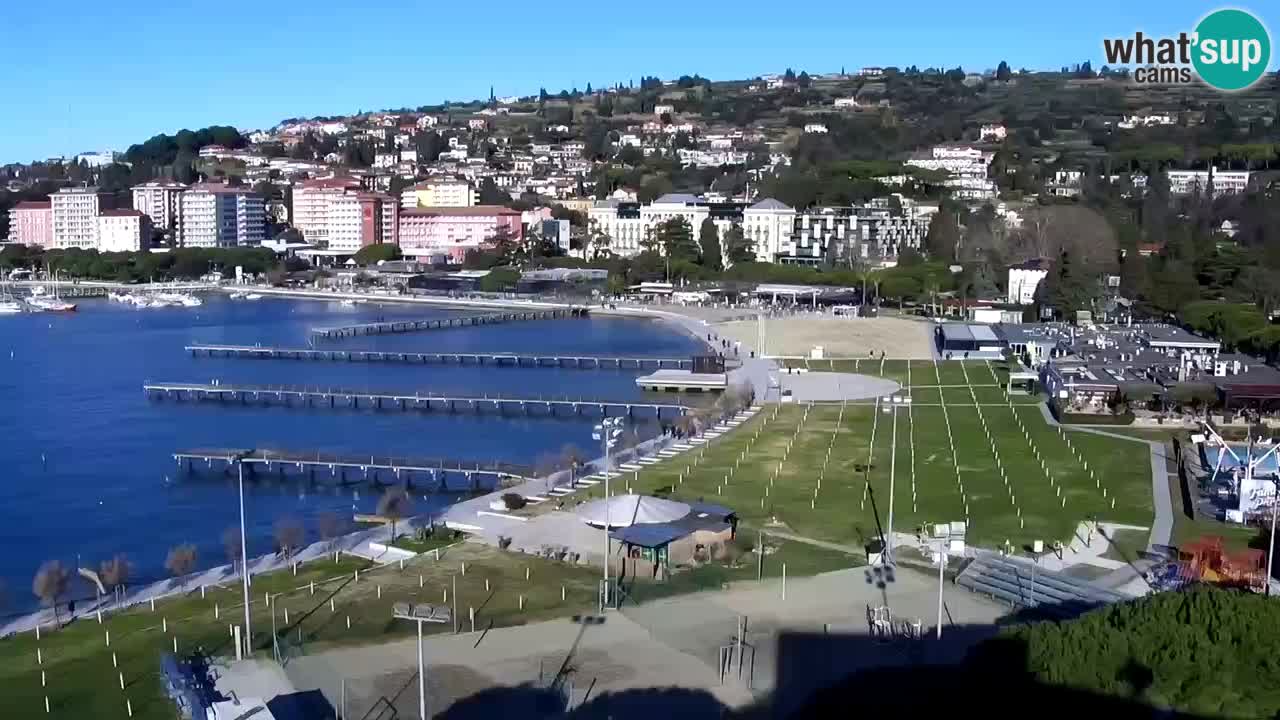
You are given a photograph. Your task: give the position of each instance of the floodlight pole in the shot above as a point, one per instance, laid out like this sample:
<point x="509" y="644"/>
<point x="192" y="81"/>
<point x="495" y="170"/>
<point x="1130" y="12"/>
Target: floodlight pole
<point x="888" y="548"/>
<point x="244" y="565"/>
<point x="1271" y="549"/>
<point x="942" y="564"/>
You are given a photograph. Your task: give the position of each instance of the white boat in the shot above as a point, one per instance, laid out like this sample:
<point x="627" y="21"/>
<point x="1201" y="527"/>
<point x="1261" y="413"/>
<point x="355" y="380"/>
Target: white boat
<point x="10" y="307"/>
<point x="253" y="296"/>
<point x="239" y="295"/>
<point x="50" y="304"/>
<point x="347" y="303"/>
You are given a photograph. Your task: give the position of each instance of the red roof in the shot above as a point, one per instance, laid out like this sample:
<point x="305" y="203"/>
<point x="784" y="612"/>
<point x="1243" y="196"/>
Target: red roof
<point x="34" y="205"/>
<point x="333" y="182"/>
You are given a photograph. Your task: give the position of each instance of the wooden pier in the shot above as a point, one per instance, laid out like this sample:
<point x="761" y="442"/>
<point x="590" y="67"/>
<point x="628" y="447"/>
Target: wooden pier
<point x="335" y="398"/>
<point x="439" y="474"/>
<point x="585" y="362"/>
<point x="443" y="323"/>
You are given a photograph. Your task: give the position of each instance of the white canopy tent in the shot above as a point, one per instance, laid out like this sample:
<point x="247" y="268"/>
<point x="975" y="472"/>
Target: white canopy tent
<point x="628" y="510"/>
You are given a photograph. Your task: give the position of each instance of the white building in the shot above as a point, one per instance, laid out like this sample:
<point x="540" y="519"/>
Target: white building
<point x="815" y="128"/>
<point x="97" y="159"/>
<point x="75" y="217"/>
<point x="123" y="231"/>
<point x="661" y="110"/>
<point x="993" y="133"/>
<point x="768" y="225"/>
<point x="967" y="167"/>
<point x="160" y="201"/>
<point x="1136" y="121"/>
<point x="1225" y="182"/>
<point x="846" y="102"/>
<point x="1024" y="279"/>
<point x="218" y="215"/>
<point x="426" y="121"/>
<point x="357" y="219"/>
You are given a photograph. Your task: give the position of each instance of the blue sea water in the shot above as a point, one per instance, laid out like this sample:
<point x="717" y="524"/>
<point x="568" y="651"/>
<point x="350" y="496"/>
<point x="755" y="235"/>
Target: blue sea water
<point x="87" y="458"/>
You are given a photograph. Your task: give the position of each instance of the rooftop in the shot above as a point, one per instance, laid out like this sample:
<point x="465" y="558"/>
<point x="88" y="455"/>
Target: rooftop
<point x="122" y="213"/>
<point x="34" y="205"/>
<point x="472" y="211"/>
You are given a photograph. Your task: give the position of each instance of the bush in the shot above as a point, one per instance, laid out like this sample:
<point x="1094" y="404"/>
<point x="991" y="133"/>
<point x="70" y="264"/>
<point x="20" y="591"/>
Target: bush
<point x="514" y="501"/>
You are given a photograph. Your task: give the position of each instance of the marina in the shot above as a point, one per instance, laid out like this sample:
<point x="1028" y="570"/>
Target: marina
<point x="586" y="362"/>
<point x="345" y="469"/>
<point x="335" y="398"/>
<point x="443" y="323"/>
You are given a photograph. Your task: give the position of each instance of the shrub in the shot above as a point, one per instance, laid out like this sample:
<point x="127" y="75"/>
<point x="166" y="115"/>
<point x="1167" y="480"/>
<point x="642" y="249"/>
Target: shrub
<point x="514" y="501"/>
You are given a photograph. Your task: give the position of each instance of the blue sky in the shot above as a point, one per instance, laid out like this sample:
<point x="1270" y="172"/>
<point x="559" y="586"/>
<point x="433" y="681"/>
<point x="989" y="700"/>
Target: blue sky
<point x="94" y="75"/>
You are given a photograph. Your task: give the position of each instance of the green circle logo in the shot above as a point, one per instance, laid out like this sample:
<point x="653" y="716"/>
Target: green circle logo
<point x="1232" y="49"/>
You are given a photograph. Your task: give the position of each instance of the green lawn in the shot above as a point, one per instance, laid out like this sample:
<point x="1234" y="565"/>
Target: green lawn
<point x="776" y="487"/>
<point x="81" y="681"/>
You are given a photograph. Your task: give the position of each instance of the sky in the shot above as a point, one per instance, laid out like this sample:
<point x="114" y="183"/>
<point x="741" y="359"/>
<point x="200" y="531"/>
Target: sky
<point x="103" y="75"/>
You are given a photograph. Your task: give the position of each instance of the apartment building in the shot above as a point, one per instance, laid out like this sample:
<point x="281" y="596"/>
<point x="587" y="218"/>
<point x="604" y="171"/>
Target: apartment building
<point x="123" y="230"/>
<point x="452" y="231"/>
<point x="768" y="224"/>
<point x="357" y="219"/>
<point x="312" y="202"/>
<point x="31" y="223"/>
<point x="75" y="216"/>
<point x="160" y="201"/>
<point x="218" y="215"/>
<point x="1224" y="182"/>
<point x="439" y="193"/>
<point x="967" y="167"/>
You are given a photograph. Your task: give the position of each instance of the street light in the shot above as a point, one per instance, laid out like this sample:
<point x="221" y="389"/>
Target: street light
<point x="244" y="564"/>
<point x="607" y="432"/>
<point x="419" y="614"/>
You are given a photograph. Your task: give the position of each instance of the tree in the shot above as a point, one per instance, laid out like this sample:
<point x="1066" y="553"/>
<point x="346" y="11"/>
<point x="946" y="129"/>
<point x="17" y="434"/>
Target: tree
<point x="1002" y="72"/>
<point x="490" y="194"/>
<point x="373" y="254"/>
<point x="500" y="280"/>
<point x="737" y="246"/>
<point x="598" y="245"/>
<point x="231" y="545"/>
<point x="289" y="536"/>
<point x="675" y="238"/>
<point x="709" y="242"/>
<point x="943" y="237"/>
<point x="50" y="584"/>
<point x="114" y="574"/>
<point x="394" y="505"/>
<point x="181" y="560"/>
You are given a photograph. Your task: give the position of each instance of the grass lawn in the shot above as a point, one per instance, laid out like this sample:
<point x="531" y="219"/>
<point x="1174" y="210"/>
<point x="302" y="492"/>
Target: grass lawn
<point x="825" y="472"/>
<point x="1126" y="544"/>
<point x="83" y="683"/>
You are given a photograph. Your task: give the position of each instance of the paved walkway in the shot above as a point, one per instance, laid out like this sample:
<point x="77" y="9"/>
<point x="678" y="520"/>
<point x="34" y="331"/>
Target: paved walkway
<point x="1162" y="527"/>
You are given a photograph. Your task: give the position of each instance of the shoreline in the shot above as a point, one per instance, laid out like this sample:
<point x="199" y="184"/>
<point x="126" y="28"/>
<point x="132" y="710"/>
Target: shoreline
<point x="357" y="541"/>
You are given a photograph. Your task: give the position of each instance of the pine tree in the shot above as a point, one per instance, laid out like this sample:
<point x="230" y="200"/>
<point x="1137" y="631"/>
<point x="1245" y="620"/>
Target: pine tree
<point x="709" y="240"/>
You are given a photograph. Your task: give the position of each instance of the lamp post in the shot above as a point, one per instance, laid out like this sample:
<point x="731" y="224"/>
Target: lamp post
<point x="942" y="565"/>
<point x="420" y="614"/>
<point x="607" y="432"/>
<point x="244" y="563"/>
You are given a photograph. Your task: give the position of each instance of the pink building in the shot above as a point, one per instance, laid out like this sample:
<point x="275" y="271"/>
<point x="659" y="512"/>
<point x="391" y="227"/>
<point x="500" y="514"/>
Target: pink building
<point x="452" y="231"/>
<point x="31" y="223"/>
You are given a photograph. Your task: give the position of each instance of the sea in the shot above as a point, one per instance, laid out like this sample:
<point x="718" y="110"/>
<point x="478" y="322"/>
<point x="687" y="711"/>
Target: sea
<point x="87" y="459"/>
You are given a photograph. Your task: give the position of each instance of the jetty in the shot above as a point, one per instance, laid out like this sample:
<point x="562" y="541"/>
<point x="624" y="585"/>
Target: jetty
<point x="443" y="323"/>
<point x="584" y="362"/>
<point x="335" y="398"/>
<point x="439" y="474"/>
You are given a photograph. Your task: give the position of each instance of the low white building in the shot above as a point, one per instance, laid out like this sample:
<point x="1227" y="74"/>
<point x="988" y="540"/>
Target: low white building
<point x="1225" y="182"/>
<point x="815" y="128"/>
<point x="846" y="102"/>
<point x="1024" y="279"/>
<point x="97" y="159"/>
<point x="661" y="110"/>
<point x="1136" y="121"/>
<point x="992" y="133"/>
